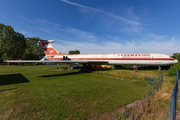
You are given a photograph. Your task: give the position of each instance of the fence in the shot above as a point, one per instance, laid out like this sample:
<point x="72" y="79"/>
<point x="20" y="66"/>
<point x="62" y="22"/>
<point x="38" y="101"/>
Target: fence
<point x="137" y="109"/>
<point x="152" y="80"/>
<point x="171" y="110"/>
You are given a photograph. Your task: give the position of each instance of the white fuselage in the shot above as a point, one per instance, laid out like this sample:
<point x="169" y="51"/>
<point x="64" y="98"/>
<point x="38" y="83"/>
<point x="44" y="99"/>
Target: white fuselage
<point x="121" y="59"/>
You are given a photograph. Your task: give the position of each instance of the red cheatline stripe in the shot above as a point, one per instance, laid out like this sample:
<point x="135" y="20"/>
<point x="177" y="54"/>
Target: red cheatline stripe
<point x="121" y="59"/>
<point x="114" y="58"/>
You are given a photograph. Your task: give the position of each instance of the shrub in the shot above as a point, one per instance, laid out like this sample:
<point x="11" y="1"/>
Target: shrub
<point x="173" y="68"/>
<point x="128" y="67"/>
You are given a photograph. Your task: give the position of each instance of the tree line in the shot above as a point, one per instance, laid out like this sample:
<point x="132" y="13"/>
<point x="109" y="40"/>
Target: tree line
<point x="176" y="56"/>
<point x="74" y="52"/>
<point x="14" y="46"/>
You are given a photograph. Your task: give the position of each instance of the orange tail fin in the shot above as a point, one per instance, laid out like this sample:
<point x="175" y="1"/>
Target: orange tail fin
<point x="49" y="50"/>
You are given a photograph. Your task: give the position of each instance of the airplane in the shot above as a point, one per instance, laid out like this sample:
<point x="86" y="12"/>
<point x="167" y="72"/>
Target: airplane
<point x="53" y="56"/>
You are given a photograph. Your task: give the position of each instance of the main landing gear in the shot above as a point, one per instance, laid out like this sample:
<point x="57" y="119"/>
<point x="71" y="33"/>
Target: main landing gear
<point x="57" y="65"/>
<point x="86" y="67"/>
<point x="135" y="68"/>
<point x="159" y="68"/>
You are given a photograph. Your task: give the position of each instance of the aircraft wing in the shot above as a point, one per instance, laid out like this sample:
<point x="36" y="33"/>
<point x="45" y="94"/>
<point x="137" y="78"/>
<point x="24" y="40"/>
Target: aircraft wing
<point x="57" y="61"/>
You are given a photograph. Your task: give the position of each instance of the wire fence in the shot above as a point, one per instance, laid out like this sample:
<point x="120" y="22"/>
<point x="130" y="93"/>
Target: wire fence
<point x="137" y="109"/>
<point x="152" y="80"/>
<point x="171" y="110"/>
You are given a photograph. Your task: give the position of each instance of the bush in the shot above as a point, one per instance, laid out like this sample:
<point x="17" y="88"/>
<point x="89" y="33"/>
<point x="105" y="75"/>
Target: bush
<point x="128" y="67"/>
<point x="173" y="69"/>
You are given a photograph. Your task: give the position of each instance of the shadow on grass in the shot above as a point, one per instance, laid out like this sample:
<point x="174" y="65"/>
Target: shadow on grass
<point x="12" y="79"/>
<point x="65" y="74"/>
<point x="72" y="73"/>
<point x="8" y="89"/>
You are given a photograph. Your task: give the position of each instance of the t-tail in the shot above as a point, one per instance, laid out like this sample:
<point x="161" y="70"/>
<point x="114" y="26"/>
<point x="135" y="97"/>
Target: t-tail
<point x="47" y="47"/>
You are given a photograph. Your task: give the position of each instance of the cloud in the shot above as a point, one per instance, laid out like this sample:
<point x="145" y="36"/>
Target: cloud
<point x="133" y="28"/>
<point x="155" y="36"/>
<point x="24" y="18"/>
<point x="165" y="47"/>
<point x="87" y="42"/>
<point x="129" y="13"/>
<point x="46" y="30"/>
<point x="47" y="22"/>
<point x="47" y="26"/>
<point x="101" y="11"/>
<point x="151" y="43"/>
<point x="25" y="33"/>
<point x="81" y="34"/>
<point x="109" y="23"/>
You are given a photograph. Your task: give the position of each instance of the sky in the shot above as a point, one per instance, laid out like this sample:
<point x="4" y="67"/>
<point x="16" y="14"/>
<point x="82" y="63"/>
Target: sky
<point x="98" y="26"/>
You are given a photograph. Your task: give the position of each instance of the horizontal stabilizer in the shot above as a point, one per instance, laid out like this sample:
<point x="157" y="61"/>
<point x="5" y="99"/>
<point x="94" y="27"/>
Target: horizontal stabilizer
<point x="43" y="41"/>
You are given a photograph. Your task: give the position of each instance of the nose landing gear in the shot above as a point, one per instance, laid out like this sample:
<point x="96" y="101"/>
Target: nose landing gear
<point x="135" y="68"/>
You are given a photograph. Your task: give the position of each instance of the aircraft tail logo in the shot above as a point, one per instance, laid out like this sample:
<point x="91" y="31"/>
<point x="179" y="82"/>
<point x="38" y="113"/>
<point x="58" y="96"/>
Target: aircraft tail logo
<point x="49" y="49"/>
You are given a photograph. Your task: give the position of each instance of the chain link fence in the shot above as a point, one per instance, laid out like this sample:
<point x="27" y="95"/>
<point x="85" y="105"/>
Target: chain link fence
<point x="137" y="109"/>
<point x="171" y="110"/>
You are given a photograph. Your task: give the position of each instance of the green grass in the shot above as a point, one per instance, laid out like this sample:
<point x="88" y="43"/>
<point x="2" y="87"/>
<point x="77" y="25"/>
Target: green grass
<point x="42" y="92"/>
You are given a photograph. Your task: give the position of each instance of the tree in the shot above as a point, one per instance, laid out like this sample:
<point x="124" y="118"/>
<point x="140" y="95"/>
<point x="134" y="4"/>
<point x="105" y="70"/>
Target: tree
<point x="2" y="26"/>
<point x="33" y="50"/>
<point x="12" y="44"/>
<point x="176" y="56"/>
<point x="74" y="52"/>
<point x="173" y="68"/>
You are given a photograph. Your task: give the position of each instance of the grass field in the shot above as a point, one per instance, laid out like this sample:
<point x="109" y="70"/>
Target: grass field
<point x="43" y="92"/>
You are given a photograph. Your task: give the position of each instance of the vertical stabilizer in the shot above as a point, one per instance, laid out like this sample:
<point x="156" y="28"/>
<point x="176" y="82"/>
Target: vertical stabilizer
<point x="49" y="49"/>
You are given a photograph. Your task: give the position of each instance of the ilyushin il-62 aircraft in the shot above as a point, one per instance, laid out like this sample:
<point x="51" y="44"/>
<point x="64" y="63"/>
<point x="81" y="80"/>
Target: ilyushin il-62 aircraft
<point x="53" y="56"/>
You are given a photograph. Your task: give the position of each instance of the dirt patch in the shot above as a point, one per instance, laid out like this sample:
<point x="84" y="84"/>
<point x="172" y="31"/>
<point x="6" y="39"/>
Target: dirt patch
<point x="6" y="115"/>
<point x="165" y="95"/>
<point x="68" y="118"/>
<point x="110" y="76"/>
<point x="57" y="70"/>
<point x="111" y="115"/>
<point x="104" y="116"/>
<point x="130" y="104"/>
<point x="8" y="73"/>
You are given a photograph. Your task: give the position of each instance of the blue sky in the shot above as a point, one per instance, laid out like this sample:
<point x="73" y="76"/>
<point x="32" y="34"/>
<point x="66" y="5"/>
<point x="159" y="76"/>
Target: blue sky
<point x="98" y="26"/>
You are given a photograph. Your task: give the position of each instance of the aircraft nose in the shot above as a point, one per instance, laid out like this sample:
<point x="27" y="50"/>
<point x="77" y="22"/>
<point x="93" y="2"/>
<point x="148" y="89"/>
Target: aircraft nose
<point x="176" y="61"/>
